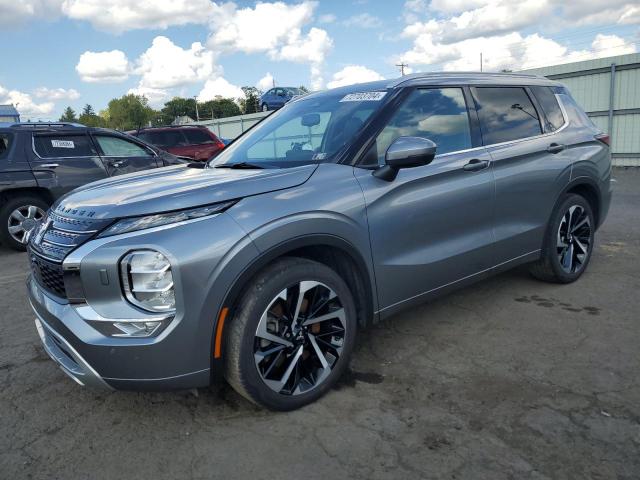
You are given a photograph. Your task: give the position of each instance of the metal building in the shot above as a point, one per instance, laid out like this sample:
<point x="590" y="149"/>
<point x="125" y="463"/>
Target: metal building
<point x="609" y="91"/>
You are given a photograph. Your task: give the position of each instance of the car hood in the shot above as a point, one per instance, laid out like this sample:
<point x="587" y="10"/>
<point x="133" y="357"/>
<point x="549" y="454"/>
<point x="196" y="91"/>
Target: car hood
<point x="174" y="188"/>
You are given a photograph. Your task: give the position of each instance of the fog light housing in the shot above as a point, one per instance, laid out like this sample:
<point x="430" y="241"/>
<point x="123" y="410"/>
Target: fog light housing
<point x="136" y="329"/>
<point x="147" y="281"/>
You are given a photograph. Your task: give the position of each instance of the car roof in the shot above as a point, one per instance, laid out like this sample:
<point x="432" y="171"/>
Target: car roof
<point x="441" y="78"/>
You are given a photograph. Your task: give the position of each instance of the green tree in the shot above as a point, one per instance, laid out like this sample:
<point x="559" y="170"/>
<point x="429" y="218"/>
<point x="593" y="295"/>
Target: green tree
<point x="69" y="115"/>
<point x="251" y="100"/>
<point x="129" y="112"/>
<point x="89" y="118"/>
<point x="219" y="108"/>
<point x="303" y="89"/>
<point x="177" y="107"/>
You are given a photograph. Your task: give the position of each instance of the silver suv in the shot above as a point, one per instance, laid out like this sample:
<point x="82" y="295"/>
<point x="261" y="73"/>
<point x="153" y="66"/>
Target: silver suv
<point x="338" y="210"/>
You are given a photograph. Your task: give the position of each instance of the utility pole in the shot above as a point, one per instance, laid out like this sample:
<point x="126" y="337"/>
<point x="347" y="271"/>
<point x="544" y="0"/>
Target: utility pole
<point x="402" y="66"/>
<point x="480" y="61"/>
<point x="195" y="98"/>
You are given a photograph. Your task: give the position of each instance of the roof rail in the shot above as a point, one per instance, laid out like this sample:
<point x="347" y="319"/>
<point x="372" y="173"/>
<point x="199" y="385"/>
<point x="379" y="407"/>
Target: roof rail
<point x="47" y="124"/>
<point x="420" y="75"/>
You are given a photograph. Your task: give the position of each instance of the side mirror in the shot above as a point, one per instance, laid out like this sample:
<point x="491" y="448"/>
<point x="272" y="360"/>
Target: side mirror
<point x="406" y="152"/>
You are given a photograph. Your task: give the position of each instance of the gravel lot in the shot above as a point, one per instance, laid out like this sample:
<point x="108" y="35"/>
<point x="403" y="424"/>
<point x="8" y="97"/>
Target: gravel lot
<point x="510" y="378"/>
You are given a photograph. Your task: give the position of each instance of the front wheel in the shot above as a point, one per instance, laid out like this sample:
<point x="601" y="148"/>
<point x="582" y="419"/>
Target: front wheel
<point x="18" y="216"/>
<point x="568" y="242"/>
<point x="291" y="336"/>
<point x="265" y="107"/>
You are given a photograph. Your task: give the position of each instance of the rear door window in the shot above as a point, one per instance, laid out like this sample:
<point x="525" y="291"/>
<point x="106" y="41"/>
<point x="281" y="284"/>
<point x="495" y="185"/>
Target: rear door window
<point x="164" y="138"/>
<point x="119" y="147"/>
<point x="61" y="146"/>
<point x="5" y="143"/>
<point x="195" y="136"/>
<point x="506" y="114"/>
<point x="550" y="106"/>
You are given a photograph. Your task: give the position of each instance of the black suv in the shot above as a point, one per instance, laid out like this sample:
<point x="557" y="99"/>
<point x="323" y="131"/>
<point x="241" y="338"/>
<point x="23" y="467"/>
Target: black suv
<point x="39" y="162"/>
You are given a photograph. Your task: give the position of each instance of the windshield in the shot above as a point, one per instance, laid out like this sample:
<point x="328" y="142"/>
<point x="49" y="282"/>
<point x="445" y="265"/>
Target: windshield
<point x="311" y="130"/>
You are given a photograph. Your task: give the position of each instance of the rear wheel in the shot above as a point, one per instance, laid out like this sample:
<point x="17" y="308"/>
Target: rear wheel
<point x="291" y="336"/>
<point x="568" y="242"/>
<point x="18" y="216"/>
<point x="265" y="107"/>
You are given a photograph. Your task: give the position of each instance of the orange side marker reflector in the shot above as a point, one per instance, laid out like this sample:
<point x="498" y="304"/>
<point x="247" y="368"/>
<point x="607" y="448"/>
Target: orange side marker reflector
<point x="217" y="350"/>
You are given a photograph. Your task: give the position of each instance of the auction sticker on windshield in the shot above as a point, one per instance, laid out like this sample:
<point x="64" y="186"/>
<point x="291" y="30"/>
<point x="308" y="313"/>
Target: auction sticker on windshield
<point x="364" y="97"/>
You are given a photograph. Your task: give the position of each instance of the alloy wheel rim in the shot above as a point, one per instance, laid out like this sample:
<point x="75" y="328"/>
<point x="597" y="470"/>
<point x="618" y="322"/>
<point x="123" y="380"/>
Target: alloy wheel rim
<point x="22" y="220"/>
<point x="299" y="338"/>
<point x="574" y="239"/>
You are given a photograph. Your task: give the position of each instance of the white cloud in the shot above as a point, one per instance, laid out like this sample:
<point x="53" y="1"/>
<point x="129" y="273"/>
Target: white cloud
<point x="13" y="12"/>
<point x="110" y="66"/>
<point x="353" y="74"/>
<point x="166" y="65"/>
<point x="265" y="83"/>
<point x="610" y="45"/>
<point x="327" y="18"/>
<point x="275" y="29"/>
<point x="56" y="93"/>
<point x="219" y="87"/>
<point x="155" y="96"/>
<point x="363" y="20"/>
<point x="25" y="104"/>
<point x="117" y="16"/>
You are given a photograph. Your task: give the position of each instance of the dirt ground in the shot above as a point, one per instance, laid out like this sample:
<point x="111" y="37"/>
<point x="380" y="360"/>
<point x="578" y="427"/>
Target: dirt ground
<point x="510" y="378"/>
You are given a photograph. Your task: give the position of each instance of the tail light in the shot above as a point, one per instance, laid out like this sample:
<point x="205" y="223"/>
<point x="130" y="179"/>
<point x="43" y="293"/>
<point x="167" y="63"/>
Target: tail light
<point x="604" y="138"/>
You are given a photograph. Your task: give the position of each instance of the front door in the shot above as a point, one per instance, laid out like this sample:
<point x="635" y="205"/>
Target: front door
<point x="64" y="161"/>
<point x="121" y="155"/>
<point x="432" y="225"/>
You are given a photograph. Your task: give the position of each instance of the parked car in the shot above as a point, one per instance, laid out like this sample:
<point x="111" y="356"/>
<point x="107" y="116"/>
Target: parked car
<point x="39" y="162"/>
<point x="276" y="97"/>
<point x="343" y="209"/>
<point x="195" y="142"/>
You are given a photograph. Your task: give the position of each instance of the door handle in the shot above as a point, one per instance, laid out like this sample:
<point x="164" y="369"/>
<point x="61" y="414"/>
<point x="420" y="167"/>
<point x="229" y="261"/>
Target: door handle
<point x="118" y="163"/>
<point x="476" y="165"/>
<point x="556" y="148"/>
<point x="50" y="165"/>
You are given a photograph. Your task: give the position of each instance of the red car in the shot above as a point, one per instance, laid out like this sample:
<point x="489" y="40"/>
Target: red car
<point x="198" y="143"/>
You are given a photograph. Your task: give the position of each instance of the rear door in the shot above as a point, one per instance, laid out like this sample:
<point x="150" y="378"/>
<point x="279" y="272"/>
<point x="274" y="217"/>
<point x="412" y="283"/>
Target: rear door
<point x="530" y="163"/>
<point x="64" y="161"/>
<point x="432" y="225"/>
<point x="121" y="155"/>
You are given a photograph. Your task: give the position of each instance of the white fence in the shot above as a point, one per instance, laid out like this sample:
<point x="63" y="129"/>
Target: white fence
<point x="231" y="127"/>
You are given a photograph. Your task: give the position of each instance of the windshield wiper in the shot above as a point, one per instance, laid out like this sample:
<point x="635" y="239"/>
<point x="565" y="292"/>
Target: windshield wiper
<point x="240" y="165"/>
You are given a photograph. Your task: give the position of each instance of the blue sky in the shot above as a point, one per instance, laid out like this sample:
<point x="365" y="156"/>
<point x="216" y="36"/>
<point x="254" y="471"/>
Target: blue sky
<point x="72" y="52"/>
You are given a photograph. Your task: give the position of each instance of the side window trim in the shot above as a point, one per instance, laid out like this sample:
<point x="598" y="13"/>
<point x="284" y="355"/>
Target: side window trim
<point x="33" y="146"/>
<point x="524" y="139"/>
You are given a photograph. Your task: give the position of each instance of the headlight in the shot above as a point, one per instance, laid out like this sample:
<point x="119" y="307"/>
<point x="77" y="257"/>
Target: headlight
<point x="147" y="281"/>
<point x="140" y="223"/>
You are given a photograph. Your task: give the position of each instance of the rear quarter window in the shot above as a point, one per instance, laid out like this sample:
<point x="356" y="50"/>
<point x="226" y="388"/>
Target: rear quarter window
<point x="164" y="139"/>
<point x="5" y="143"/>
<point x="195" y="136"/>
<point x="506" y="114"/>
<point x="60" y="146"/>
<point x="553" y="113"/>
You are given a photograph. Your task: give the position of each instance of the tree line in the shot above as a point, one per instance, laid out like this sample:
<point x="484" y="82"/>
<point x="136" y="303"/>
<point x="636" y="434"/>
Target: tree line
<point x="131" y="111"/>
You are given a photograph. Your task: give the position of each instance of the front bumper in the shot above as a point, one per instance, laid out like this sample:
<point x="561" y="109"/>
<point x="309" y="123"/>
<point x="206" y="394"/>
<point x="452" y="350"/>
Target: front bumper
<point x="69" y="361"/>
<point x="180" y="356"/>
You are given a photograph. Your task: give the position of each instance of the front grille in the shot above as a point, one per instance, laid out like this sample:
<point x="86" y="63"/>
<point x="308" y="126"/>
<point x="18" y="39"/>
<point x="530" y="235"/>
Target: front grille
<point x="48" y="274"/>
<point x="60" y="235"/>
<point x="52" y="241"/>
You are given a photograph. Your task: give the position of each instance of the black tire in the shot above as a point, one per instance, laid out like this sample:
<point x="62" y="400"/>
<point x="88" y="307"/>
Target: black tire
<point x="11" y="205"/>
<point x="264" y="107"/>
<point x="549" y="268"/>
<point x="241" y="369"/>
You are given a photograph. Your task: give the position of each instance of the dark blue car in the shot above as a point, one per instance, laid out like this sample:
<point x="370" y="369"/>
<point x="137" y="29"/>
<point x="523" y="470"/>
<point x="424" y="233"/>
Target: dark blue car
<point x="277" y="97"/>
